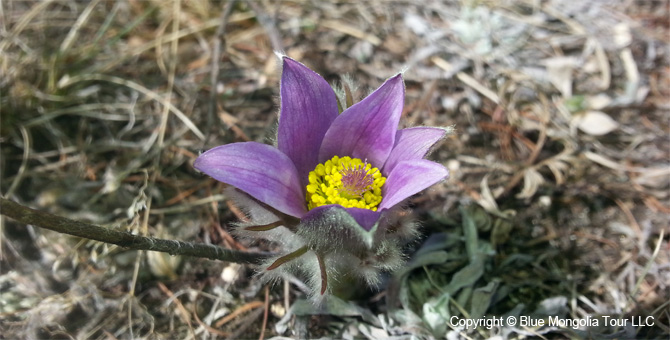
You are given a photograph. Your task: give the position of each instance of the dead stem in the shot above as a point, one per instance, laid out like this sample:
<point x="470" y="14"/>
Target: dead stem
<point x="124" y="239"/>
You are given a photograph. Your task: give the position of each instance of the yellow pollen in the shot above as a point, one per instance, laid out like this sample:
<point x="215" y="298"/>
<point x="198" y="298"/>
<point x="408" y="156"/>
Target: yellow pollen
<point x="346" y="181"/>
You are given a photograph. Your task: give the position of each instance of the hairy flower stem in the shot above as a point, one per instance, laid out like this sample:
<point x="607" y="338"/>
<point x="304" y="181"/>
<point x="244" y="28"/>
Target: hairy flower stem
<point x="124" y="239"/>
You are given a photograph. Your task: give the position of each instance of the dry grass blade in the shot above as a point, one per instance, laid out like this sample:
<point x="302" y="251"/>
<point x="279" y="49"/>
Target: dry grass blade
<point x="242" y="309"/>
<point x="185" y="315"/>
<point x="353" y="31"/>
<point x="650" y="262"/>
<point x="468" y="80"/>
<point x="83" y="17"/>
<point x="68" y="81"/>
<point x="23" y="22"/>
<point x="24" y="161"/>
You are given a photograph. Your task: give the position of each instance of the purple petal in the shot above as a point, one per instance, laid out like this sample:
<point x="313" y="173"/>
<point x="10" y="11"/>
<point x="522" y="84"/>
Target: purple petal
<point x="408" y="178"/>
<point x="260" y="170"/>
<point x="366" y="218"/>
<point x="367" y="129"/>
<point x="412" y="144"/>
<point x="308" y="107"/>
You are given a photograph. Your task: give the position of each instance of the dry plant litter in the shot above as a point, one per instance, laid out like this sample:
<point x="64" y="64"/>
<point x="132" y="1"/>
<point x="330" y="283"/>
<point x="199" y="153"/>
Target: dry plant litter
<point x="558" y="202"/>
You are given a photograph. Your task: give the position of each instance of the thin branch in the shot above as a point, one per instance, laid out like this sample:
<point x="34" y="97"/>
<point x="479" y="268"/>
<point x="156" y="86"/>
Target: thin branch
<point x="124" y="239"/>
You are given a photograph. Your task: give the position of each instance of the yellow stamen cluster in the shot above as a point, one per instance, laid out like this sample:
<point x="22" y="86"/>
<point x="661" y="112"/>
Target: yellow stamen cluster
<point x="346" y="181"/>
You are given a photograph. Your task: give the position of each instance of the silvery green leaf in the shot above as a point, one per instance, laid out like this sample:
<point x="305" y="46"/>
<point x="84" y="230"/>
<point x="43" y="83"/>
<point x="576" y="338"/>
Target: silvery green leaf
<point x="553" y="306"/>
<point x="373" y="333"/>
<point x="466" y="276"/>
<point x="515" y="312"/>
<point x="481" y="299"/>
<point x="430" y="253"/>
<point x="436" y="313"/>
<point x="464" y="296"/>
<point x="500" y="233"/>
<point x="482" y="220"/>
<point x="433" y="257"/>
<point x="518" y="260"/>
<point x="332" y="306"/>
<point x="434" y="242"/>
<point x="470" y="231"/>
<point x="405" y="316"/>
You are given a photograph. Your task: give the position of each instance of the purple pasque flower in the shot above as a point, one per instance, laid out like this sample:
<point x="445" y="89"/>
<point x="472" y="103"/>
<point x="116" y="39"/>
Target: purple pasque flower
<point x="312" y="131"/>
<point x="333" y="172"/>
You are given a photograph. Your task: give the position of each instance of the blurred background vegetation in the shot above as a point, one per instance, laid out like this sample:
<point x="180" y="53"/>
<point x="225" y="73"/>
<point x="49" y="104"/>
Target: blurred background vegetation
<point x="557" y="204"/>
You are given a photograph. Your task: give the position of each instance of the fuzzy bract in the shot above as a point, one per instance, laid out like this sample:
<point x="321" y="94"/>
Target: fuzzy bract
<point x="334" y="182"/>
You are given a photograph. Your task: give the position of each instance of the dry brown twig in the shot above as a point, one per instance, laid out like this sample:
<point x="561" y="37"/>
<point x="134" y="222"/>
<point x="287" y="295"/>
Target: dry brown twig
<point x="121" y="238"/>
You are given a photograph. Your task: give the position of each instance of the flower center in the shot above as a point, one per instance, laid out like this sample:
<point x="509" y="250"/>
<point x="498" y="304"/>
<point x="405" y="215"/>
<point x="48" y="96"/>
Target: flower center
<point x="346" y="181"/>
